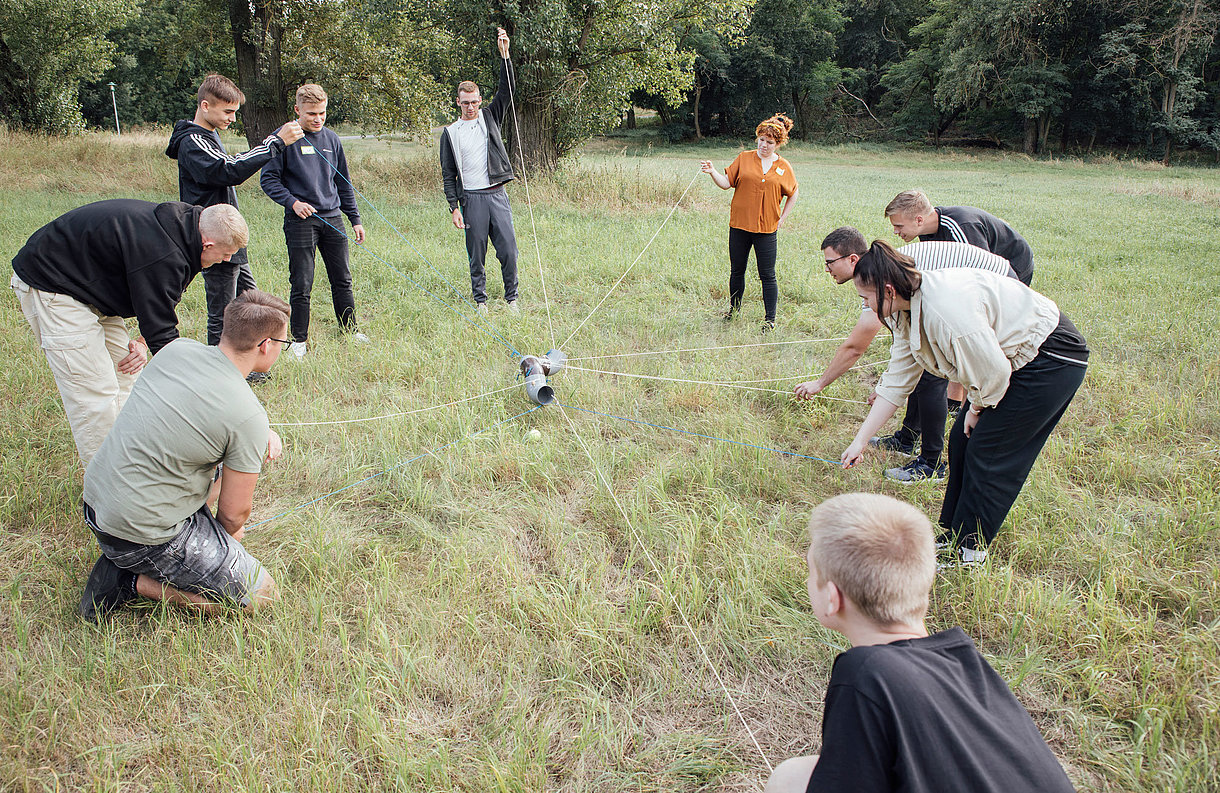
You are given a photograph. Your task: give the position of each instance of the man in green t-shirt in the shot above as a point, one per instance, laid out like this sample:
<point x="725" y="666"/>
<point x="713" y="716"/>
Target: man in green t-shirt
<point x="191" y="434"/>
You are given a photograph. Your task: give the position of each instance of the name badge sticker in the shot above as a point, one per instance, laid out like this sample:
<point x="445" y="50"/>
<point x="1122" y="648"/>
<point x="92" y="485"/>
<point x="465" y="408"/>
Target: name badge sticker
<point x="779" y="171"/>
<point x="307" y="150"/>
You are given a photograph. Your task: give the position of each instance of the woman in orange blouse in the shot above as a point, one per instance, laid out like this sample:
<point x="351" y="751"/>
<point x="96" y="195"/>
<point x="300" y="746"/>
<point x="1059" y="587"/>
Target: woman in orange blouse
<point x="760" y="180"/>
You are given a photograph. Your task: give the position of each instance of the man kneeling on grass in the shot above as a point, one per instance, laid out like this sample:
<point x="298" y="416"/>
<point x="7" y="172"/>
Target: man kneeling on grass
<point x="905" y="710"/>
<point x="191" y="435"/>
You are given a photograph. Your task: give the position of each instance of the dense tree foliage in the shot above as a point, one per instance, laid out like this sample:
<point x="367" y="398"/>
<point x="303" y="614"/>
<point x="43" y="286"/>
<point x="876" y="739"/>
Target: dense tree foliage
<point x="579" y="61"/>
<point x="47" y="48"/>
<point x="1140" y="76"/>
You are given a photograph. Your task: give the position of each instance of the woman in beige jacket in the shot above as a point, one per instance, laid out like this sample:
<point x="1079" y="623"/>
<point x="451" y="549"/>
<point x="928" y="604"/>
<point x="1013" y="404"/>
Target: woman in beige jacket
<point x="1020" y="359"/>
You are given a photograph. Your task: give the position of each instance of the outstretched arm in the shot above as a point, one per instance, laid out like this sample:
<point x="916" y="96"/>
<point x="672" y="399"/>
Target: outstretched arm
<point x="845" y="357"/>
<point x="720" y="179"/>
<point x="498" y="108"/>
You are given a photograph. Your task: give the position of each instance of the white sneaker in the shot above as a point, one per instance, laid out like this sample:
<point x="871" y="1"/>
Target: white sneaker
<point x="482" y="309"/>
<point x="512" y="306"/>
<point x="360" y="338"/>
<point x="298" y="350"/>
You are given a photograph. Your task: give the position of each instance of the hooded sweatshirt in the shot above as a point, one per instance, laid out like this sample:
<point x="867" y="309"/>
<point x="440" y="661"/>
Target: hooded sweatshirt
<point x="123" y="257"/>
<point x="207" y="175"/>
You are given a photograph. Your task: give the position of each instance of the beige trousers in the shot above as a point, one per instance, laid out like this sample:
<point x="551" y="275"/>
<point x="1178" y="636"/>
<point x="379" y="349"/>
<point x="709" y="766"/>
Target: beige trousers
<point x="84" y="349"/>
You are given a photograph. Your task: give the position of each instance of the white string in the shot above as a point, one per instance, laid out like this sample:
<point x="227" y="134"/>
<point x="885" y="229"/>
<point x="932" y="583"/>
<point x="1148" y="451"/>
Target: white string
<point x="708" y="382"/>
<point x="530" y="204"/>
<point x="870" y="363"/>
<point x="660" y="578"/>
<point x="393" y="415"/>
<point x="704" y="349"/>
<point x="633" y="264"/>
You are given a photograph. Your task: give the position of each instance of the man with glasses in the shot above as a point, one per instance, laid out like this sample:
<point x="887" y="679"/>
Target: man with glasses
<point x="191" y="436"/>
<point x="475" y="168"/>
<point x="926" y="407"/>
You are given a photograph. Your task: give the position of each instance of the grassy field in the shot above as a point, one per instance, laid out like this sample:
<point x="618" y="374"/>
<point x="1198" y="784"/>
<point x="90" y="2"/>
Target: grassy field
<point x="491" y="612"/>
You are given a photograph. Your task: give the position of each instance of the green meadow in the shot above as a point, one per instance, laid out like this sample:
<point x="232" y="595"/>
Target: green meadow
<point x="615" y="606"/>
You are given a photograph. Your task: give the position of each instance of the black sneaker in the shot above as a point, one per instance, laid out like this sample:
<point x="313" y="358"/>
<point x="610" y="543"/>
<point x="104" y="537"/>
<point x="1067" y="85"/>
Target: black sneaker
<point x="892" y="443"/>
<point x="917" y="471"/>
<point x="768" y="325"/>
<point x="730" y="315"/>
<point x="108" y="587"/>
<point x="254" y="378"/>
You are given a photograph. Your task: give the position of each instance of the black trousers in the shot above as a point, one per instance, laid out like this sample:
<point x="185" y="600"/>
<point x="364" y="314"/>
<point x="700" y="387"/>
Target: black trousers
<point x="764" y="246"/>
<point x="305" y="238"/>
<point x="988" y="469"/>
<point x="221" y="283"/>
<point x="926" y="414"/>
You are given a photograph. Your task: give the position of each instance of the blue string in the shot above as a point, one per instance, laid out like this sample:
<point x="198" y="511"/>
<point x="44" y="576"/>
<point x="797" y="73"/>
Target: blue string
<point x="700" y="435"/>
<point x="396" y="231"/>
<point x="392" y="468"/>
<point x="368" y="250"/>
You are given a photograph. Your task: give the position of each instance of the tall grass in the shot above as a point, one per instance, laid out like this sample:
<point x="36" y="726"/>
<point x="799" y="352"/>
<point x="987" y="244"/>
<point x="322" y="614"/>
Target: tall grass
<point x="488" y="617"/>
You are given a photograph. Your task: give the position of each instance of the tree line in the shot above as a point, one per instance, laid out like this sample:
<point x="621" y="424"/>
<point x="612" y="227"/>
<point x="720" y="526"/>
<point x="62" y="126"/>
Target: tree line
<point x="1072" y="76"/>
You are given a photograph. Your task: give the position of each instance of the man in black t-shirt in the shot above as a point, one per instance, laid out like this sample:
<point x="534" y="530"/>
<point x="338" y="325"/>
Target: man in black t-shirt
<point x="905" y="710"/>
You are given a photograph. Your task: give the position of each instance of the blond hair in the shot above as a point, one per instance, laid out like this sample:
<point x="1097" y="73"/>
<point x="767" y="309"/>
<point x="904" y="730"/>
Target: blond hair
<point x="253" y="316"/>
<point x="909" y="204"/>
<point x="776" y="128"/>
<point x="878" y="551"/>
<point x="218" y="88"/>
<point x="467" y="87"/>
<point x="223" y="225"/>
<point x="310" y="94"/>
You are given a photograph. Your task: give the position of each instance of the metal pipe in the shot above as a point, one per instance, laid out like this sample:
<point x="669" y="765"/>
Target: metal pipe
<point x="535" y="381"/>
<point x="554" y="361"/>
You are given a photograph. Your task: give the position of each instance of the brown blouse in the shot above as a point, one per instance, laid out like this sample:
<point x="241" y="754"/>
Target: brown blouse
<point x="756" y="195"/>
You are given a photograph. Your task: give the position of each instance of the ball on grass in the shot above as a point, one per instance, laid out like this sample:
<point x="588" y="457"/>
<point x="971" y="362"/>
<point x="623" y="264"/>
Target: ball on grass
<point x="533" y="435"/>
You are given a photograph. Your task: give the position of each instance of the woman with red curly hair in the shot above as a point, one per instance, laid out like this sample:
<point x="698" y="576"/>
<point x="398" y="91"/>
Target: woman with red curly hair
<point x="760" y="179"/>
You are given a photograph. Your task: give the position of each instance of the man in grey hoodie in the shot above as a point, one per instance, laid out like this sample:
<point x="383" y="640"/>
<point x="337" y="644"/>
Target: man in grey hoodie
<point x="475" y="168"/>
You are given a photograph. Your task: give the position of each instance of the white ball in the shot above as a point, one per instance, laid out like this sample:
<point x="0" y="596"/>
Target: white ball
<point x="533" y="435"/>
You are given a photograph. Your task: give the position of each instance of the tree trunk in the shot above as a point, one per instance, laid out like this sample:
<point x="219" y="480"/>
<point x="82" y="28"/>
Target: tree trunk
<point x="256" y="41"/>
<point x="800" y="108"/>
<point x="1044" y="131"/>
<point x="1031" y="135"/>
<point x="698" y="94"/>
<point x="631" y="117"/>
<point x="537" y="137"/>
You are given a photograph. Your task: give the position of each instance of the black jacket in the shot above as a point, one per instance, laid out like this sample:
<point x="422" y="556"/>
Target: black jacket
<point x="977" y="227"/>
<point x="499" y="170"/>
<point x="207" y="175"/>
<point x="123" y="257"/>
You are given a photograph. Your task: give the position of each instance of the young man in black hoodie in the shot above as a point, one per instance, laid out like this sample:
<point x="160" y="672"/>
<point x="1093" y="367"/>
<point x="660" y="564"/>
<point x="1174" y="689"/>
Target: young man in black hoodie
<point x="208" y="175"/>
<point x="475" y="168"/>
<point x="78" y="276"/>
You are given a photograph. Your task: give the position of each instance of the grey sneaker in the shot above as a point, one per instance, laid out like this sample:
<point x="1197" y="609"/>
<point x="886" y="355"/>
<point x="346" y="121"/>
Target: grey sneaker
<point x="360" y="338"/>
<point x="513" y="307"/>
<point x="482" y="309"/>
<point x="892" y="443"/>
<point x="108" y="587"/>
<point x="917" y="471"/>
<point x="254" y="378"/>
<point x="963" y="559"/>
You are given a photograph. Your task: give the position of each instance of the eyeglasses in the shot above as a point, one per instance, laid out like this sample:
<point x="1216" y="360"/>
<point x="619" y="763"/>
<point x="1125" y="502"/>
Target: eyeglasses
<point x="283" y="342"/>
<point x="469" y="102"/>
<point x="832" y="261"/>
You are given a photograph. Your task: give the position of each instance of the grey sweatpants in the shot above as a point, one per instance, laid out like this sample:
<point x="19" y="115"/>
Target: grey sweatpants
<point x="488" y="215"/>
